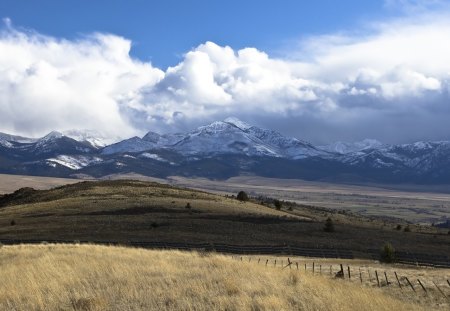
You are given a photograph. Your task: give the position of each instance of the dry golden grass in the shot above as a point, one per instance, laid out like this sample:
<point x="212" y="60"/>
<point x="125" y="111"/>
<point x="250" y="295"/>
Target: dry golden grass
<point x="88" y="277"/>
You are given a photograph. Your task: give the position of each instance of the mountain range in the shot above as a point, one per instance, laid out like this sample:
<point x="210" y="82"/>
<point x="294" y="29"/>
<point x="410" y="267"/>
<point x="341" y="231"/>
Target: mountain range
<point x="224" y="149"/>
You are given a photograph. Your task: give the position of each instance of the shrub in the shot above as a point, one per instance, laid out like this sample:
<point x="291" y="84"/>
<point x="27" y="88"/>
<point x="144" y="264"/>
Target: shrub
<point x="329" y="225"/>
<point x="399" y="227"/>
<point x="277" y="204"/>
<point x="387" y="253"/>
<point x="188" y="206"/>
<point x="407" y="229"/>
<point x="13" y="222"/>
<point x="242" y="196"/>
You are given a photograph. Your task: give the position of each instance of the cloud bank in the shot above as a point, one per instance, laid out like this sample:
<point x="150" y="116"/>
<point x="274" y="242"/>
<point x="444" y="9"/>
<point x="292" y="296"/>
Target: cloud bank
<point x="389" y="81"/>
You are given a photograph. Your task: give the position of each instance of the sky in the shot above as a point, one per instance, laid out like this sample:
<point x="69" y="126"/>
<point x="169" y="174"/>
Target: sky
<point x="321" y="71"/>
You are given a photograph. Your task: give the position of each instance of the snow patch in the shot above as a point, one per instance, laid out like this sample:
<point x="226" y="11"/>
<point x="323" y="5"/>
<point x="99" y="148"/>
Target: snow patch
<point x="73" y="162"/>
<point x="238" y="123"/>
<point x="153" y="156"/>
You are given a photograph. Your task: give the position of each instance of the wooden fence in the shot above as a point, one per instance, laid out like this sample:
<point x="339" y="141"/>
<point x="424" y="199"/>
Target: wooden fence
<point x="288" y="250"/>
<point x="364" y="275"/>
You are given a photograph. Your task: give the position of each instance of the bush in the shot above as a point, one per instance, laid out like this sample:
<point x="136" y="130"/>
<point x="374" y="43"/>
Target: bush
<point x="13" y="222"/>
<point x="399" y="227"/>
<point x="242" y="196"/>
<point x="329" y="225"/>
<point x="277" y="204"/>
<point x="387" y="253"/>
<point x="407" y="229"/>
<point x="188" y="206"/>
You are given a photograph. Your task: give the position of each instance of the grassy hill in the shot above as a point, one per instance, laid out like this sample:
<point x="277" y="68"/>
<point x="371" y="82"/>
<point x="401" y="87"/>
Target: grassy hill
<point x="89" y="277"/>
<point x="125" y="210"/>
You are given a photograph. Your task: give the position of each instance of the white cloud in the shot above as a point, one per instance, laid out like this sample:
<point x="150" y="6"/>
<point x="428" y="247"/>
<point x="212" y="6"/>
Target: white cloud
<point x="334" y="86"/>
<point x="46" y="83"/>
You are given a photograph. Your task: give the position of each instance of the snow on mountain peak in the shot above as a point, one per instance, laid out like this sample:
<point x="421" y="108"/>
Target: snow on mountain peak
<point x="52" y="135"/>
<point x="238" y="123"/>
<point x="13" y="138"/>
<point x="152" y="137"/>
<point x="93" y="137"/>
<point x="346" y="147"/>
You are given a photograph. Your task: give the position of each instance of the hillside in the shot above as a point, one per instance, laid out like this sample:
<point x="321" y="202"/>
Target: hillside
<point x="88" y="277"/>
<point x="137" y="211"/>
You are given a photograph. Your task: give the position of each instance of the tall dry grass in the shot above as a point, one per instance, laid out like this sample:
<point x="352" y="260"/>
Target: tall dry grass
<point x="89" y="277"/>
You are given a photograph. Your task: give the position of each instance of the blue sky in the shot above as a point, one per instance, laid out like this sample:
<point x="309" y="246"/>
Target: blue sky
<point x="321" y="71"/>
<point x="162" y="31"/>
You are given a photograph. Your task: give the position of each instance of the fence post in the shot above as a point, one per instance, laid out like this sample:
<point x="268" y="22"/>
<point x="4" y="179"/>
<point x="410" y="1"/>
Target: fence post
<point x="313" y="267"/>
<point x="331" y="269"/>
<point x="407" y="280"/>
<point x="387" y="281"/>
<point x="360" y="275"/>
<point x="259" y="259"/>
<point x="370" y="276"/>
<point x="443" y="294"/>
<point x="423" y="287"/>
<point x="349" y="275"/>
<point x="378" y="281"/>
<point x="342" y="271"/>
<point x="290" y="263"/>
<point x="305" y="267"/>
<point x="267" y="261"/>
<point x="320" y="269"/>
<point x="398" y="281"/>
<point x="275" y="264"/>
<point x="296" y="265"/>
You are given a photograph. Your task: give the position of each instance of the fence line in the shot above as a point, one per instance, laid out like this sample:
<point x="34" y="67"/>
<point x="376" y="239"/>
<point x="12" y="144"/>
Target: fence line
<point x="292" y="250"/>
<point x="379" y="283"/>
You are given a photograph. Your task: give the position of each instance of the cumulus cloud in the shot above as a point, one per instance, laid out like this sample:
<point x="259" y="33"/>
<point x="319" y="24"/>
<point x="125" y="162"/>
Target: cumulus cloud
<point x="48" y="83"/>
<point x="389" y="82"/>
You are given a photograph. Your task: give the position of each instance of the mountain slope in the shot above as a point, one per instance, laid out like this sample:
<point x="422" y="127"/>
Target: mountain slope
<point x="223" y="149"/>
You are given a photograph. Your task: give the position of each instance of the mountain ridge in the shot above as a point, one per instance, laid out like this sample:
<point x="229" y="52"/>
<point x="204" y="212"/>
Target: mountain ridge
<point x="224" y="149"/>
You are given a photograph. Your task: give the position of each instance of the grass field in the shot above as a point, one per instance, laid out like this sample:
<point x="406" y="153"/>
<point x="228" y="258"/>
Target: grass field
<point x="122" y="211"/>
<point x="88" y="277"/>
<point x="363" y="273"/>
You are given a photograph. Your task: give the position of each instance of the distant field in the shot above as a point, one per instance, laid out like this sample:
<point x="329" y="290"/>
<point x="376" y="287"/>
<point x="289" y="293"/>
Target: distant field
<point x="10" y="183"/>
<point x="88" y="277"/>
<point x="426" y="204"/>
<point x="405" y="202"/>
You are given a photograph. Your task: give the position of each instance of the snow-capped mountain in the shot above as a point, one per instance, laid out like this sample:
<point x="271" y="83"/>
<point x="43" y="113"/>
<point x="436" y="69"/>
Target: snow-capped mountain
<point x="230" y="136"/>
<point x="346" y="147"/>
<point x="92" y="137"/>
<point x="130" y="145"/>
<point x="224" y="149"/>
<point x="13" y="138"/>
